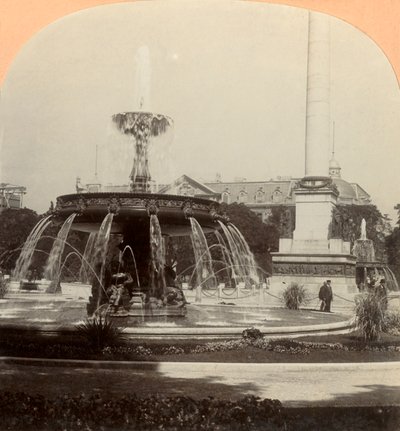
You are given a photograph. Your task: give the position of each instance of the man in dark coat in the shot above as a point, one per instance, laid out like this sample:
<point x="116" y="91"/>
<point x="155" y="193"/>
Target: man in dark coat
<point x="326" y="296"/>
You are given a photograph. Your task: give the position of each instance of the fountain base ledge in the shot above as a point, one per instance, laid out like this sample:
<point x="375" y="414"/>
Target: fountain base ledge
<point x="173" y="211"/>
<point x="343" y="327"/>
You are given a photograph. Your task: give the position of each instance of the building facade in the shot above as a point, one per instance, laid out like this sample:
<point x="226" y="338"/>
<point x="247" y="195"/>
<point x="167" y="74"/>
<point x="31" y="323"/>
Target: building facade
<point x="11" y="196"/>
<point x="262" y="196"/>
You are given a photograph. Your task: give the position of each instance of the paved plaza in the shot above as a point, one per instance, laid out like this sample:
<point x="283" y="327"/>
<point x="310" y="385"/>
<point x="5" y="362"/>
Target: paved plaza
<point x="300" y="385"/>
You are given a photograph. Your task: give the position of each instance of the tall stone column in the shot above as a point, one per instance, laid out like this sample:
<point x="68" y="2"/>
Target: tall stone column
<point x="315" y="199"/>
<point x="311" y="256"/>
<point x="318" y="105"/>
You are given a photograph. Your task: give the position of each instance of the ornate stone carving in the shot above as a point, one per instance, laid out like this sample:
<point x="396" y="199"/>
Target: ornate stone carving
<point x="132" y="202"/>
<point x="310" y="269"/>
<point x="152" y="207"/>
<point x="315" y="182"/>
<point x="81" y="205"/>
<point x="214" y="213"/>
<point x="187" y="209"/>
<point x="96" y="202"/>
<point x="114" y="205"/>
<point x="225" y="218"/>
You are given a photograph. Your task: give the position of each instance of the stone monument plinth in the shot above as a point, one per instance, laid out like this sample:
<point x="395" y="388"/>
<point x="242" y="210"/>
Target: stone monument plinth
<point x="311" y="256"/>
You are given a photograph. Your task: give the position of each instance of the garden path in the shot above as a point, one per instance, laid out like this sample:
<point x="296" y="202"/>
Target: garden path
<point x="296" y="384"/>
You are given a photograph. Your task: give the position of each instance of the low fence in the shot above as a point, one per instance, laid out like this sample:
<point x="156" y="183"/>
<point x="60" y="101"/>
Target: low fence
<point x="254" y="294"/>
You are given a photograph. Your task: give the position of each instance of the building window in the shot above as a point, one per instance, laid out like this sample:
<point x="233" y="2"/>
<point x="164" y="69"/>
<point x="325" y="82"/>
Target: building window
<point x="225" y="197"/>
<point x="260" y="196"/>
<point x="277" y="195"/>
<point x="242" y="198"/>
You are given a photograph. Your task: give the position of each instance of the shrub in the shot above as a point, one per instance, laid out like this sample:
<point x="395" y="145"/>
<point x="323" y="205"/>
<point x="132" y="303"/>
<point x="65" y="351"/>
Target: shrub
<point x="100" y="332"/>
<point x="370" y="316"/>
<point x="294" y="296"/>
<point x="392" y="323"/>
<point x="128" y="412"/>
<point x="252" y="334"/>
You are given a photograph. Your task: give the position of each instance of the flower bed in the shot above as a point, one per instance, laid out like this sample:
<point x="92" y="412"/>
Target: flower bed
<point x="134" y="351"/>
<point x="22" y="411"/>
<point x="81" y="412"/>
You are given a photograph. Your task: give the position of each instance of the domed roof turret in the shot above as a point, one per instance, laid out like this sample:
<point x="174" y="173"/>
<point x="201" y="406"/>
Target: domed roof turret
<point x="346" y="190"/>
<point x="334" y="164"/>
<point x="334" y="167"/>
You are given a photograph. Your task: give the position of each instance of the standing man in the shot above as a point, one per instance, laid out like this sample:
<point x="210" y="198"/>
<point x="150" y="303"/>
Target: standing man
<point x="326" y="296"/>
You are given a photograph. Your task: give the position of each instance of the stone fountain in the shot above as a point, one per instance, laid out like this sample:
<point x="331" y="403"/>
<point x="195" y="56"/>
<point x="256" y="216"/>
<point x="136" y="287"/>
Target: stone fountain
<point x="141" y="218"/>
<point x="367" y="266"/>
<point x="140" y="282"/>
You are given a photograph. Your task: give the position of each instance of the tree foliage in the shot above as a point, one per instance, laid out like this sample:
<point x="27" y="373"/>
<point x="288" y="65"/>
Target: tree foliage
<point x="393" y="247"/>
<point x="378" y="226"/>
<point x="262" y="238"/>
<point x="15" y="226"/>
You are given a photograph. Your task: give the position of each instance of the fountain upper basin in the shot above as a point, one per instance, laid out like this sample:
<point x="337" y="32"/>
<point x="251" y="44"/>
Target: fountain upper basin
<point x="172" y="211"/>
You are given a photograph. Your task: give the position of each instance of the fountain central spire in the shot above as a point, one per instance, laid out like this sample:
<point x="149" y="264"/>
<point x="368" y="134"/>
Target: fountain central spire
<point x="142" y="78"/>
<point x="142" y="125"/>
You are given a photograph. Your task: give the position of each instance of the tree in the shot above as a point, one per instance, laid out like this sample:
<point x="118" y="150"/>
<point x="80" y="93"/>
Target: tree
<point x="262" y="238"/>
<point x="393" y="247"/>
<point x="378" y="226"/>
<point x="15" y="226"/>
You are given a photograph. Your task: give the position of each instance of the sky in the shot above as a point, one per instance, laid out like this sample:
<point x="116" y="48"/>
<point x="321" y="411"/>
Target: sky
<point x="231" y="74"/>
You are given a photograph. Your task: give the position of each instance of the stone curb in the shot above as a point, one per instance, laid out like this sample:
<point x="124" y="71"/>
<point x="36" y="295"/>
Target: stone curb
<point x="345" y="326"/>
<point x="233" y="331"/>
<point x="149" y="365"/>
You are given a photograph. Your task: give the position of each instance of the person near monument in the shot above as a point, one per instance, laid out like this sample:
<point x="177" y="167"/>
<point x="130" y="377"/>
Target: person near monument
<point x="326" y="296"/>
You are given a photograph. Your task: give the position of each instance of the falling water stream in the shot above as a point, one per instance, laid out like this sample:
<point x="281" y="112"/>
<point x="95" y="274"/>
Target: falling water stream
<point x="99" y="257"/>
<point x="157" y="262"/>
<point x="238" y="263"/>
<point x="129" y="248"/>
<point x="85" y="271"/>
<point x="248" y="258"/>
<point x="25" y="258"/>
<point x="101" y="244"/>
<point x="204" y="269"/>
<point x="53" y="265"/>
